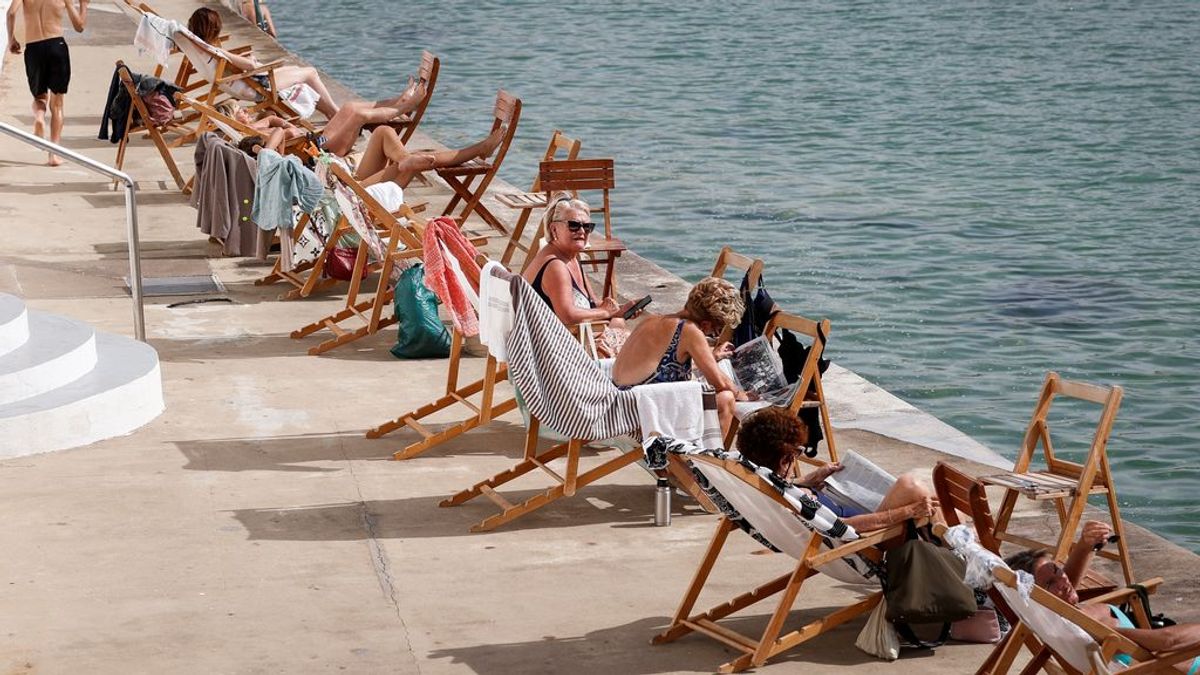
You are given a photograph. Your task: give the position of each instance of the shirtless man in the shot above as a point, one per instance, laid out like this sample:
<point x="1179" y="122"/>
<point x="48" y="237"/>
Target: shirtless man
<point x="47" y="61"/>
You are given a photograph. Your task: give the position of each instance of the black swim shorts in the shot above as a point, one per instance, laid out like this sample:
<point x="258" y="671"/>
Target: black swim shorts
<point x="48" y="66"/>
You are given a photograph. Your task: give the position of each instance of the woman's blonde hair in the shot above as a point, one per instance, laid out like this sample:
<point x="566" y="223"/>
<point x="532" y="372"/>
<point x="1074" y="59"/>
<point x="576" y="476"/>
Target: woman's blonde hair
<point x="716" y="300"/>
<point x="558" y="202"/>
<point x="227" y="108"/>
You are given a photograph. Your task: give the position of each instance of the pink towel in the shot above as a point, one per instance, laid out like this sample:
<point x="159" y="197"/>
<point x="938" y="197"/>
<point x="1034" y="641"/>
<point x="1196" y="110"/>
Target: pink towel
<point x="440" y="279"/>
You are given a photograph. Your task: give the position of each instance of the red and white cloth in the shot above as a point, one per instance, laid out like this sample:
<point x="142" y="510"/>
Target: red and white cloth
<point x="443" y="240"/>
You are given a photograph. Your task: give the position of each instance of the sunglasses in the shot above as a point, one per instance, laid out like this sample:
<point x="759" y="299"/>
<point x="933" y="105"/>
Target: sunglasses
<point x="575" y="226"/>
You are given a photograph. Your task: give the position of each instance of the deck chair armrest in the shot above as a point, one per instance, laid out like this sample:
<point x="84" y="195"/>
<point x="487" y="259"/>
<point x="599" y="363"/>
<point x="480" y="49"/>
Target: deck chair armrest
<point x="1121" y="594"/>
<point x="866" y="541"/>
<point x="266" y="67"/>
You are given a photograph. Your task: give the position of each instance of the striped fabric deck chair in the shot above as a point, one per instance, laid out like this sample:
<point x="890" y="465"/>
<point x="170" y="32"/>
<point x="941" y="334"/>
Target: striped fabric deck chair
<point x="406" y="125"/>
<point x="144" y="125"/>
<point x="488" y="408"/>
<point x="470" y="180"/>
<point x="527" y="202"/>
<point x="1067" y="484"/>
<point x="1077" y="643"/>
<point x="566" y="397"/>
<point x="359" y="211"/>
<point x="784" y="519"/>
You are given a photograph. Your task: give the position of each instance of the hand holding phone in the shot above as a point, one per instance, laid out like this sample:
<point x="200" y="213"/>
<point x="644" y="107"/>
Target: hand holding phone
<point x="636" y="308"/>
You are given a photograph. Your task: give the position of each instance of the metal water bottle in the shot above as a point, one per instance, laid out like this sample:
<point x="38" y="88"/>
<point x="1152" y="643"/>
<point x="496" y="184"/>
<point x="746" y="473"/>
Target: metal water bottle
<point x="662" y="503"/>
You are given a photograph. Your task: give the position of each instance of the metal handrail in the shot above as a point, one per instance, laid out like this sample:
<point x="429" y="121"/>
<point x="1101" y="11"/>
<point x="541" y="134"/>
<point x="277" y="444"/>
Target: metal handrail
<point x="135" y="248"/>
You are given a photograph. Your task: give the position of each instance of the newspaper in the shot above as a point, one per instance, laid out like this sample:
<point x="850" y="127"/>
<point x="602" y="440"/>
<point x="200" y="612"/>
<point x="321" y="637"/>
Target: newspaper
<point x="860" y="484"/>
<point x="757" y="368"/>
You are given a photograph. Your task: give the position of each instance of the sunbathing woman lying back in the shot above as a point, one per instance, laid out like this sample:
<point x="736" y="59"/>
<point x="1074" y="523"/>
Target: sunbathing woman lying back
<point x="773" y="437"/>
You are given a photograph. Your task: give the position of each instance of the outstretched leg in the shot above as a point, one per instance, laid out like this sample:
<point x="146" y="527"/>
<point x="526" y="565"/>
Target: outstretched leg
<point x="40" y="105"/>
<point x="56" y="125"/>
<point x="287" y="76"/>
<point x="403" y="165"/>
<point x="343" y="129"/>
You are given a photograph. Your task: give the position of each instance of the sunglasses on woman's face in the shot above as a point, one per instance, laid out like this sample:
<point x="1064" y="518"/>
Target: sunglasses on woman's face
<point x="575" y="226"/>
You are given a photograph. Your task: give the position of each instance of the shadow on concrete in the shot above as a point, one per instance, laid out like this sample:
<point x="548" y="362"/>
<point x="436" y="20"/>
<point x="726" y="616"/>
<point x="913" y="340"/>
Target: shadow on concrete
<point x="145" y="197"/>
<point x="87" y="187"/>
<point x="626" y="649"/>
<point x="414" y="517"/>
<point x="198" y="350"/>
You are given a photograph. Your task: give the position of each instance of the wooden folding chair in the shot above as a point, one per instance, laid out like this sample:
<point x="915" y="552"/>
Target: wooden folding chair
<point x="579" y="177"/>
<point x="1067" y="484"/>
<point x="144" y="125"/>
<point x="404" y="242"/>
<point x="406" y="125"/>
<point x="526" y="202"/>
<point x="809" y="380"/>
<point x="755" y="503"/>
<point x="471" y="179"/>
<point x="749" y="267"/>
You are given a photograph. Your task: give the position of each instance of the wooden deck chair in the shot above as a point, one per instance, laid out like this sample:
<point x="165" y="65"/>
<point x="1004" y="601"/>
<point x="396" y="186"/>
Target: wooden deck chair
<point x="809" y="380"/>
<point x="403" y="243"/>
<point x="456" y="394"/>
<point x="1067" y="484"/>
<point x="406" y="125"/>
<point x="590" y="180"/>
<point x="186" y="74"/>
<point x="144" y="125"/>
<point x="564" y="396"/>
<point x="757" y="504"/>
<point x="471" y="179"/>
<point x="1051" y="628"/>
<point x="526" y="202"/>
<point x="749" y="267"/>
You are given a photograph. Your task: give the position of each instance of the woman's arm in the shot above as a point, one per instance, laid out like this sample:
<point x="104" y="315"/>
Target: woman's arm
<point x="556" y="284"/>
<point x="78" y="17"/>
<point x="878" y="520"/>
<point x="693" y="345"/>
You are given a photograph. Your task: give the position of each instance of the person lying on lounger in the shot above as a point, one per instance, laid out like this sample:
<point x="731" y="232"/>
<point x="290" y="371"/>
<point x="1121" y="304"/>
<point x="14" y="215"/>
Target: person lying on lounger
<point x="386" y="158"/>
<point x="557" y="276"/>
<point x="1061" y="579"/>
<point x="663" y="347"/>
<point x="263" y="123"/>
<point x="774" y="437"/>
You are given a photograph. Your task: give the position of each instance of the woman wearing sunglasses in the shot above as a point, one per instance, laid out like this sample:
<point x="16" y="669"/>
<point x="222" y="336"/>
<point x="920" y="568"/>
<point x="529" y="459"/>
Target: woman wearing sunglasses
<point x="556" y="275"/>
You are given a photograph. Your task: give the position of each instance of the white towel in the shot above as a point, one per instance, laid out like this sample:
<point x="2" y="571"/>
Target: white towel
<point x="154" y="37"/>
<point x="389" y="195"/>
<point x="671" y="409"/>
<point x="495" y="310"/>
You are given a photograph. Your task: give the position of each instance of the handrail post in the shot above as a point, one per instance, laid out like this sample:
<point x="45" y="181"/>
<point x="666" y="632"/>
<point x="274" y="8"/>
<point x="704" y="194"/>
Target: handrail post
<point x="131" y="219"/>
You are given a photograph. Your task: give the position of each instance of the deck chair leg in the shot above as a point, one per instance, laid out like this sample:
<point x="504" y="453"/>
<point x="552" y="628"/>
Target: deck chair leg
<point x="451" y="432"/>
<point x="775" y="625"/>
<point x="163" y="150"/>
<point x="1037" y="662"/>
<point x="514" y="240"/>
<point x="1005" y="652"/>
<point x="678" y="628"/>
<point x="503" y="477"/>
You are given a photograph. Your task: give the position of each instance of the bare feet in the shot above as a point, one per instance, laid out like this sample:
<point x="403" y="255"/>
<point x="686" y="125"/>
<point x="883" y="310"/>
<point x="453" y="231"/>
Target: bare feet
<point x="489" y="144"/>
<point x="54" y="160"/>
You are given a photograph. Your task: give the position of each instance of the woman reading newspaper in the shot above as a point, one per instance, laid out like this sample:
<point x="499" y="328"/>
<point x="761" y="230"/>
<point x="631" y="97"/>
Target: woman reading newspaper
<point x="772" y="438"/>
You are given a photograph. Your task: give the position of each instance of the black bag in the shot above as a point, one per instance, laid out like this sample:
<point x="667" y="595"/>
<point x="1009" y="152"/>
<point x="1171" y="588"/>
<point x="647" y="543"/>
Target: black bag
<point x="759" y="309"/>
<point x="793" y="354"/>
<point x="924" y="585"/>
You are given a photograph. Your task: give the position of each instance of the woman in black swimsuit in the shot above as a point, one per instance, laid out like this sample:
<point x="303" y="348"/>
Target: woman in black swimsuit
<point x="663" y="348"/>
<point x="556" y="275"/>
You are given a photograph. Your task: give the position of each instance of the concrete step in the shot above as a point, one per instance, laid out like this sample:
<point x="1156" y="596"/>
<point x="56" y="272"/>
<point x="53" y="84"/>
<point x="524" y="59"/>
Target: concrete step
<point x="14" y="323"/>
<point x="59" y="351"/>
<point x="122" y="393"/>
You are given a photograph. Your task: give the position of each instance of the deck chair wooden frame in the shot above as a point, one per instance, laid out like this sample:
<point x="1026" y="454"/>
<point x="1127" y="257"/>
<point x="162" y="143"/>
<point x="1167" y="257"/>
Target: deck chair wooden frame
<point x="527" y="202"/>
<point x="369" y="313"/>
<point x="406" y="125"/>
<point x="579" y="176"/>
<point x="752" y="267"/>
<point x="810" y="377"/>
<point x="153" y="131"/>
<point x="471" y="179"/>
<point x="1067" y="484"/>
<point x="755" y="651"/>
<point x="482" y="413"/>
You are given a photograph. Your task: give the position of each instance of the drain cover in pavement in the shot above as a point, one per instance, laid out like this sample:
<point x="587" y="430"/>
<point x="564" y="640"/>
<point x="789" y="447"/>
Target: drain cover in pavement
<point x="195" y="285"/>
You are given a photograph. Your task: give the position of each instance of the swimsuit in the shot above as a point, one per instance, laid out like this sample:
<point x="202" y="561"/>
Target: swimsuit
<point x="48" y="66"/>
<point x="1124" y="621"/>
<point x="669" y="369"/>
<point x="840" y="510"/>
<point x="578" y="295"/>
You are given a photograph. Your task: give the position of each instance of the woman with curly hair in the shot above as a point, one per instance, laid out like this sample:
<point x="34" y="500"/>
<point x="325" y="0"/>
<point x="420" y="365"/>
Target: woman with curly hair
<point x="772" y="437"/>
<point x="663" y="347"/>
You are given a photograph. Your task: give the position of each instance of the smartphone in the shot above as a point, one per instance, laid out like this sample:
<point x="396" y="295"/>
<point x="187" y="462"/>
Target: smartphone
<point x="637" y="307"/>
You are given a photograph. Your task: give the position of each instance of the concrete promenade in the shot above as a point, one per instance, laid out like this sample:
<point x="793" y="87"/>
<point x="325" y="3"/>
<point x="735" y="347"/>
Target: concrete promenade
<point x="253" y="529"/>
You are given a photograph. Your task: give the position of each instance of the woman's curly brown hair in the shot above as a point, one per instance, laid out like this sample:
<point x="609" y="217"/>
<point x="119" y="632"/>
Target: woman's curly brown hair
<point x="716" y="300"/>
<point x="206" y="24"/>
<point x="769" y="435"/>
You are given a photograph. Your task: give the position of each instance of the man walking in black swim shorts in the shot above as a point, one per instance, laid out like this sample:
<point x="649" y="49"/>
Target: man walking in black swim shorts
<point x="47" y="61"/>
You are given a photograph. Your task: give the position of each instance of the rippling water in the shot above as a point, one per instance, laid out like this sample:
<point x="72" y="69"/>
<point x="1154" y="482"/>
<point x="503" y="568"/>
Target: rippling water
<point x="974" y="193"/>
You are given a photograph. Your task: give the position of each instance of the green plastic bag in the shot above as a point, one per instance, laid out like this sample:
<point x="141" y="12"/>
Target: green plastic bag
<point x="422" y="334"/>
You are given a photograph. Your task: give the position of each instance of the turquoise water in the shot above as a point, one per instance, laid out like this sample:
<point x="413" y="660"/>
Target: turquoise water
<point x="974" y="193"/>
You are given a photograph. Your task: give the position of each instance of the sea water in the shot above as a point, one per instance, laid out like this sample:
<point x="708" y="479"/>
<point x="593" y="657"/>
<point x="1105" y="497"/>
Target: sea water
<point x="974" y="193"/>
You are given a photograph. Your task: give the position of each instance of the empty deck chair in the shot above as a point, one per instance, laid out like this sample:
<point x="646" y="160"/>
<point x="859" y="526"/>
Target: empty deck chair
<point x="526" y="202"/>
<point x="590" y="180"/>
<point x="406" y="125"/>
<point x="145" y="125"/>
<point x="470" y="180"/>
<point x="567" y="397"/>
<point x="1067" y="484"/>
<point x="1052" y="628"/>
<point x="757" y="501"/>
